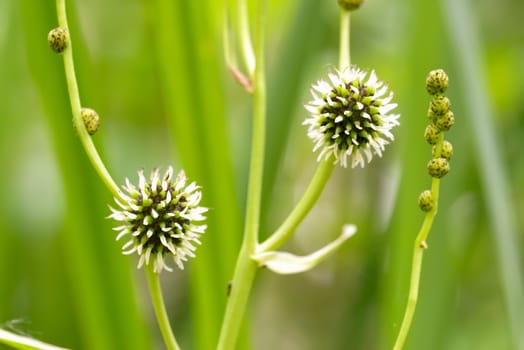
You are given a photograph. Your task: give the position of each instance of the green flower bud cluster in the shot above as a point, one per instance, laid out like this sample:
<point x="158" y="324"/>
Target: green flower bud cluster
<point x="441" y="120"/>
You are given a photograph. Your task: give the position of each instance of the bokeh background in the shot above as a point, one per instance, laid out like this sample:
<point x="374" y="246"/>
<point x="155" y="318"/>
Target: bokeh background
<point x="154" y="71"/>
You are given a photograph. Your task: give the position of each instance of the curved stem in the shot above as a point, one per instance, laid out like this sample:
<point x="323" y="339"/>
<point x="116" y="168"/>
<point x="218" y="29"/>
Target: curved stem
<point x="76" y="106"/>
<point x="309" y="198"/>
<point x="155" y="291"/>
<point x="345" y="50"/>
<point x="416" y="264"/>
<point x="245" y="269"/>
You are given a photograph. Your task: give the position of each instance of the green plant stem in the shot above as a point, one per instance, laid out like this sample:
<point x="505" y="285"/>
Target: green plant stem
<point x="309" y="198"/>
<point x="344" y="49"/>
<point x="245" y="269"/>
<point x="76" y="106"/>
<point x="20" y="342"/>
<point x="256" y="168"/>
<point x="416" y="265"/>
<point x="155" y="290"/>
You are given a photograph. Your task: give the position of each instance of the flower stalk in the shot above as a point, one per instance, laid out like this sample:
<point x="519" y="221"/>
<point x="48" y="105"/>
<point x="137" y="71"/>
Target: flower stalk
<point x="344" y="60"/>
<point x="439" y="115"/>
<point x="416" y="267"/>
<point x="155" y="290"/>
<point x="76" y="106"/>
<point x="309" y="198"/>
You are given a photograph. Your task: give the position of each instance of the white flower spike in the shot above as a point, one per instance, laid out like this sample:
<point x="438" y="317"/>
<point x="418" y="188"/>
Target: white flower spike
<point x="350" y="117"/>
<point x="160" y="218"/>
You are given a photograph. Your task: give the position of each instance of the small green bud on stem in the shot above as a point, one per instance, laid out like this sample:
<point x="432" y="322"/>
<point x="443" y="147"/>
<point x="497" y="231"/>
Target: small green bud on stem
<point x="440" y="105"/>
<point x="445" y="122"/>
<point x="437" y="82"/>
<point x="425" y="201"/>
<point x="91" y="120"/>
<point x="431" y="115"/>
<point x="58" y="39"/>
<point x="438" y="167"/>
<point x="431" y="134"/>
<point x="446" y="151"/>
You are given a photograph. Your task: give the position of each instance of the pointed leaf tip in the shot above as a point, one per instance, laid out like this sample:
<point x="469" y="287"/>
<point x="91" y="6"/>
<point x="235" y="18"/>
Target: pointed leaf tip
<point x="286" y="263"/>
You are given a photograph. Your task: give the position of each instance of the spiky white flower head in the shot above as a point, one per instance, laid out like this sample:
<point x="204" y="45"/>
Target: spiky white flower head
<point x="351" y="117"/>
<point x="161" y="218"/>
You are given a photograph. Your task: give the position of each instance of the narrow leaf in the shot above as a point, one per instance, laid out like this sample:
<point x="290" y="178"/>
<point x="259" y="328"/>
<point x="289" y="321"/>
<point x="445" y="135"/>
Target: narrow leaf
<point x="286" y="263"/>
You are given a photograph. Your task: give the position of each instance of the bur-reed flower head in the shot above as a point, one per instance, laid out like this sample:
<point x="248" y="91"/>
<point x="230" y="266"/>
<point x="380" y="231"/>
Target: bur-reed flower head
<point x="160" y="217"/>
<point x="351" y="117"/>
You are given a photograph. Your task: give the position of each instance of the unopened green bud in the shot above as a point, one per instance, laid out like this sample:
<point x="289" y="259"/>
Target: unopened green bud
<point x="446" y="150"/>
<point x="350" y="5"/>
<point x="91" y="120"/>
<point x="425" y="201"/>
<point x="445" y="122"/>
<point x="58" y="39"/>
<point x="438" y="167"/>
<point x="431" y="115"/>
<point x="437" y="82"/>
<point x="440" y="105"/>
<point x="431" y="134"/>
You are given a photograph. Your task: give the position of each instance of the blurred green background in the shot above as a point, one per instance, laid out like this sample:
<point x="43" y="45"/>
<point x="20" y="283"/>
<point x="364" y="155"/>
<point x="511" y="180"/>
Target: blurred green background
<point x="154" y="71"/>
